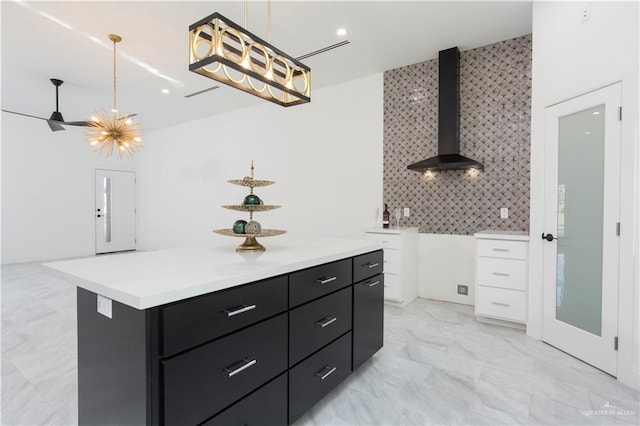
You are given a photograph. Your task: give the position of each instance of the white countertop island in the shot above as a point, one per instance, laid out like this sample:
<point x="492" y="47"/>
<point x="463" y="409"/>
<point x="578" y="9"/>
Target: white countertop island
<point x="148" y="279"/>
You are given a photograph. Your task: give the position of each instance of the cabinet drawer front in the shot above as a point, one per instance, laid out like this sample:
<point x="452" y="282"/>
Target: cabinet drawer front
<point x="202" y="382"/>
<point x="318" y="375"/>
<point x="502" y="248"/>
<point x="501" y="303"/>
<point x="367" y="265"/>
<point x="267" y="406"/>
<point x="368" y="319"/>
<point x="392" y="261"/>
<point x="315" y="324"/>
<point x="392" y="287"/>
<point x="198" y="320"/>
<point x="317" y="281"/>
<point x="387" y="240"/>
<point x="504" y="273"/>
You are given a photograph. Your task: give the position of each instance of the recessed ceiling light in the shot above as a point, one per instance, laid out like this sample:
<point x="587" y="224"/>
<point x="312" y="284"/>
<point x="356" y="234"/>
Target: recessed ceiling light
<point x="596" y="112"/>
<point x="341" y="32"/>
<point x="587" y="132"/>
<point x="165" y="90"/>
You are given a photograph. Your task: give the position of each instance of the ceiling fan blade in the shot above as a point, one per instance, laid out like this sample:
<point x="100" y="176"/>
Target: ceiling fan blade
<point x="55" y="125"/>
<point x="77" y="123"/>
<point x="26" y="115"/>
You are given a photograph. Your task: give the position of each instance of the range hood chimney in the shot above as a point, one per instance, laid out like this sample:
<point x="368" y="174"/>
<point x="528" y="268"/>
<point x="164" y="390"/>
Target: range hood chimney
<point x="448" y="157"/>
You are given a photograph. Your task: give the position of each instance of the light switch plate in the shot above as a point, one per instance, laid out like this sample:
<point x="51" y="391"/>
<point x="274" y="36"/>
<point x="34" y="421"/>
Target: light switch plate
<point x="406" y="212"/>
<point x="105" y="306"/>
<point x="504" y="213"/>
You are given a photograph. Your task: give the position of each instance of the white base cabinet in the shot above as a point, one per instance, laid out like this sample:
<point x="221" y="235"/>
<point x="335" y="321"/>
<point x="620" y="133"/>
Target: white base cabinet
<point x="400" y="269"/>
<point x="501" y="277"/>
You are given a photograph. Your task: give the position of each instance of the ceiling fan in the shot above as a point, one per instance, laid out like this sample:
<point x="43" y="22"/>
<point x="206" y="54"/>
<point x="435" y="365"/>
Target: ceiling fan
<point x="56" y="121"/>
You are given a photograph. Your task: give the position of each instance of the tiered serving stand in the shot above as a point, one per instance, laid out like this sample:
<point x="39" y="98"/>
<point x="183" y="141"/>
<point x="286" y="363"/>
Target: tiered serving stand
<point x="250" y="243"/>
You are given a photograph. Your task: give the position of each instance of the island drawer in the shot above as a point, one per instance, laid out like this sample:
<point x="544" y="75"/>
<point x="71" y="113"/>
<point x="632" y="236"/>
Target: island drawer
<point x="367" y="265"/>
<point x="201" y="319"/>
<point x="315" y="377"/>
<point x="315" y="324"/>
<point x="267" y="406"/>
<point x="314" y="282"/>
<point x="203" y="381"/>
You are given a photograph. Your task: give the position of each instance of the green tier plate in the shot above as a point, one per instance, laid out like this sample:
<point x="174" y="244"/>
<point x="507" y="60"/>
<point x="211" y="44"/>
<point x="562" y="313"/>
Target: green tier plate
<point x="251" y="207"/>
<point x="251" y="183"/>
<point x="263" y="233"/>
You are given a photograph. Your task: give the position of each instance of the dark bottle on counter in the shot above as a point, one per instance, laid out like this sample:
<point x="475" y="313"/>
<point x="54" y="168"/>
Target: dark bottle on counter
<point x="385" y="217"/>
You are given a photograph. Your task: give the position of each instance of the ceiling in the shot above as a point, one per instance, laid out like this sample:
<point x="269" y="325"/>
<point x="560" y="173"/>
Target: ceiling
<point x="68" y="40"/>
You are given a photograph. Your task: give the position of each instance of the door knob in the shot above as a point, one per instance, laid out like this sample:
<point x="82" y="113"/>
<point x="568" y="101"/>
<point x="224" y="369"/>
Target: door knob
<point x="99" y="216"/>
<point x="548" y="237"/>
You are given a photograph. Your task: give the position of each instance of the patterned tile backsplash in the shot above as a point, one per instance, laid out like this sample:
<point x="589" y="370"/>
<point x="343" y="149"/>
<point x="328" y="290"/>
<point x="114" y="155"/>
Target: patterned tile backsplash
<point x="495" y="129"/>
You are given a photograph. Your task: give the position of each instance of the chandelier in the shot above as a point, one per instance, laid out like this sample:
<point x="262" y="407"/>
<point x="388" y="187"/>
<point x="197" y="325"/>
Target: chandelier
<point x="224" y="51"/>
<point x="109" y="131"/>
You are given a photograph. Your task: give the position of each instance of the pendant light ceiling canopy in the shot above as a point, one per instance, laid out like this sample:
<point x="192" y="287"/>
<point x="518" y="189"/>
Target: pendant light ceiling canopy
<point x="224" y="51"/>
<point x="109" y="130"/>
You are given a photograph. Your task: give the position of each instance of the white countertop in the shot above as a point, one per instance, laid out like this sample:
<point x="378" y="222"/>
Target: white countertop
<point x="146" y="279"/>
<point x="391" y="229"/>
<point x="502" y="235"/>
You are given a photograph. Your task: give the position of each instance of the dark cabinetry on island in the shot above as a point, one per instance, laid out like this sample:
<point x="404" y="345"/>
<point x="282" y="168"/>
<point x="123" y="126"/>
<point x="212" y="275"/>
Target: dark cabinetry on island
<point x="260" y="353"/>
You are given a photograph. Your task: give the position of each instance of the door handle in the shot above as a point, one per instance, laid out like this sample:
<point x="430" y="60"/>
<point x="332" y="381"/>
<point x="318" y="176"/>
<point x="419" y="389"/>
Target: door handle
<point x="548" y="237"/>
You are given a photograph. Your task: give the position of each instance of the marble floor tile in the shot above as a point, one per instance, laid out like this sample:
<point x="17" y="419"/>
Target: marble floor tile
<point x="438" y="366"/>
<point x="21" y="402"/>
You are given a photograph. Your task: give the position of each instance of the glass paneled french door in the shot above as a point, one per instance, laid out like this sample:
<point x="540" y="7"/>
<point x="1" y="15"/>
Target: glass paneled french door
<point x="582" y="210"/>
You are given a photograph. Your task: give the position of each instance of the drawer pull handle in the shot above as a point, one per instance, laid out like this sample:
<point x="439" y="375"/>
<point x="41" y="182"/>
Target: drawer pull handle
<point x="239" y="366"/>
<point x="325" y="372"/>
<point x="373" y="283"/>
<point x="325" y="280"/>
<point x="506" y="305"/>
<point x="501" y="274"/>
<point x="500" y="249"/>
<point x="371" y="265"/>
<point x="238" y="310"/>
<point x="326" y="321"/>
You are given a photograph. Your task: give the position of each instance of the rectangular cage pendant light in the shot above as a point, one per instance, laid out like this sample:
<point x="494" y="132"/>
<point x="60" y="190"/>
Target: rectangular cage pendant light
<point x="224" y="51"/>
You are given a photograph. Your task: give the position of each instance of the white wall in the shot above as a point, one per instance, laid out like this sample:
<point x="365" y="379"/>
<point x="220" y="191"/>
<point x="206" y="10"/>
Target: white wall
<point x="571" y="58"/>
<point x="48" y="191"/>
<point x="325" y="157"/>
<point x="444" y="261"/>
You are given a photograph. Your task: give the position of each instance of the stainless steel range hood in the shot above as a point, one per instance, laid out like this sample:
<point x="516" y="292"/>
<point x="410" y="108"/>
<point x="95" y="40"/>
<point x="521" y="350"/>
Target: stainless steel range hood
<point x="448" y="157"/>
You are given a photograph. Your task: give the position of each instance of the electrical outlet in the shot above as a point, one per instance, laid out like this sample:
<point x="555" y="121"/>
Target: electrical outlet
<point x="504" y="213"/>
<point x="463" y="289"/>
<point x="406" y="212"/>
<point x="104" y="306"/>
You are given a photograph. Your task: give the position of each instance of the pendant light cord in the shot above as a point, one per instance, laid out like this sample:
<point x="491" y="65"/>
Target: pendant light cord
<point x="115" y="109"/>
<point x="246" y="19"/>
<point x="269" y="21"/>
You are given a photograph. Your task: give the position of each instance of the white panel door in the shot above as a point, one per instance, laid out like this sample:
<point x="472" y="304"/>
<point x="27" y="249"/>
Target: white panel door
<point x="582" y="210"/>
<point x="115" y="211"/>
